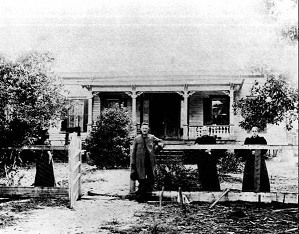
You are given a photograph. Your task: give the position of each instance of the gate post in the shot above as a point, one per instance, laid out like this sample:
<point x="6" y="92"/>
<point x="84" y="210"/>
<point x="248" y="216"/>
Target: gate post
<point x="132" y="182"/>
<point x="74" y="156"/>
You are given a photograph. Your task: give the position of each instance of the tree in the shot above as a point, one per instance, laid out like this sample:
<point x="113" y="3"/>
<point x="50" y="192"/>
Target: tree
<point x="31" y="98"/>
<point x="109" y="141"/>
<point x="285" y="13"/>
<point x="269" y="103"/>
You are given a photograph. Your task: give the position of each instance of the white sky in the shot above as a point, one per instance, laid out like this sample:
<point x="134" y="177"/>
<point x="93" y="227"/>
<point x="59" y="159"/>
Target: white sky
<point x="141" y="36"/>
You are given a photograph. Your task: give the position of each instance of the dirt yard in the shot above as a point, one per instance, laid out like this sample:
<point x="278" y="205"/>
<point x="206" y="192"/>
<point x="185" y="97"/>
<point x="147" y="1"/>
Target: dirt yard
<point x="112" y="214"/>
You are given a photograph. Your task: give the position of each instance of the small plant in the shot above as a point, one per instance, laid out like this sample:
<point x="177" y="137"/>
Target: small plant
<point x="10" y="161"/>
<point x="108" y="145"/>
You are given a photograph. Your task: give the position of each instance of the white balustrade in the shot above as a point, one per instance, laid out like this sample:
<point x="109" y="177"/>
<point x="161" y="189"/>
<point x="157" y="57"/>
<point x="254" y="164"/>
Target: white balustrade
<point x="220" y="131"/>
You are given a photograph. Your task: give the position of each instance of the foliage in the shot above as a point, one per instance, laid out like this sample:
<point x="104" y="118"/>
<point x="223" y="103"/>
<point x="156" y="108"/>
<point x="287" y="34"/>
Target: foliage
<point x="269" y="103"/>
<point x="230" y="163"/>
<point x="10" y="160"/>
<point x="108" y="145"/>
<point x="30" y="98"/>
<point x="285" y="14"/>
<point x="175" y="175"/>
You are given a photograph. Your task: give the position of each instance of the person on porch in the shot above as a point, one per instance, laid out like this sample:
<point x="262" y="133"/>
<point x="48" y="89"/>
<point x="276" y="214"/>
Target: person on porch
<point x="206" y="163"/>
<point x="248" y="175"/>
<point x="143" y="161"/>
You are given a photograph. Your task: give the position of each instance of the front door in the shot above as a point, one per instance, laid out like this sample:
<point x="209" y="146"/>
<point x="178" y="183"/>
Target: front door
<point x="164" y="115"/>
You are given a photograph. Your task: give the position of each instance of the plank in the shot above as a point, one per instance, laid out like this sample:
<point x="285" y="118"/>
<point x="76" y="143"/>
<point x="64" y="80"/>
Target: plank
<point x="210" y="197"/>
<point x="229" y="146"/>
<point x="39" y="147"/>
<point x="25" y="192"/>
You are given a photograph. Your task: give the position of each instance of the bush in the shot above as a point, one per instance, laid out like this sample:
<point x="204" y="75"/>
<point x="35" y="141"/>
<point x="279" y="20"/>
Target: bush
<point x="230" y="163"/>
<point x="174" y="175"/>
<point x="108" y="145"/>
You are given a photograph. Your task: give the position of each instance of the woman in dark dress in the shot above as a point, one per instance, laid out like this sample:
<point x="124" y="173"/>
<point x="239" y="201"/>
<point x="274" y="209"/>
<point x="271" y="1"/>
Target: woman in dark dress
<point x="206" y="163"/>
<point x="44" y="176"/>
<point x="248" y="177"/>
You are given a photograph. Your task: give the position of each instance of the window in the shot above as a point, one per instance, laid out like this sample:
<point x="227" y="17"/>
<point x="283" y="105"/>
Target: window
<point x="77" y="115"/>
<point x="216" y="111"/>
<point x="112" y="101"/>
<point x="220" y="111"/>
<point x="109" y="103"/>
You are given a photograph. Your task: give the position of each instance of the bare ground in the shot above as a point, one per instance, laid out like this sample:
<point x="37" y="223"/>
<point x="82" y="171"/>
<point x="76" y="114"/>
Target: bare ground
<point x="110" y="214"/>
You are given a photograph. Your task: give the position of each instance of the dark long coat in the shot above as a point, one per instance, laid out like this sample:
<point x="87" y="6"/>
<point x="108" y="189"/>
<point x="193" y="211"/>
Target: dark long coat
<point x="207" y="167"/>
<point x="44" y="170"/>
<point x="139" y="152"/>
<point x="248" y="177"/>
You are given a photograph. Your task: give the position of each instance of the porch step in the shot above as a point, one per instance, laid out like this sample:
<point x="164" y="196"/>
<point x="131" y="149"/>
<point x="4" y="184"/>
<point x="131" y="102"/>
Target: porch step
<point x="170" y="156"/>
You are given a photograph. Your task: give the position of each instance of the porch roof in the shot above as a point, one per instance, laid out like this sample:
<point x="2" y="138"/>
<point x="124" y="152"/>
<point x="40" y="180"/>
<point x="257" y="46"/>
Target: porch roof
<point x="198" y="82"/>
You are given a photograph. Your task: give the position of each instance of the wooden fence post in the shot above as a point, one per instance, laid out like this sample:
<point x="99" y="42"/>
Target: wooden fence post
<point x="74" y="155"/>
<point x="132" y="182"/>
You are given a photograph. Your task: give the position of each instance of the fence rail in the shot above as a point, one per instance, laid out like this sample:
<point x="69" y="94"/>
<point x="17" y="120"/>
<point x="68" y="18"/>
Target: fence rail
<point x="230" y="146"/>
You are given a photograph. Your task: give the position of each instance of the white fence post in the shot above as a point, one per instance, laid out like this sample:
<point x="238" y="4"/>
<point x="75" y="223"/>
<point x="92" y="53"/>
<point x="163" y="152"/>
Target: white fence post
<point x="74" y="155"/>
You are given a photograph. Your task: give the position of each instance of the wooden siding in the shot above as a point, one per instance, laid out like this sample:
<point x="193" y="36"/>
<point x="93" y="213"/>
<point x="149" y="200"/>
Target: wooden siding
<point x="195" y="110"/>
<point x="96" y="109"/>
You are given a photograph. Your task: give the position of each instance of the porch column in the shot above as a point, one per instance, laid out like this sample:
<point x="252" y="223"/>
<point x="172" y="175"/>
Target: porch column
<point x="231" y="109"/>
<point x="134" y="94"/>
<point x="89" y="122"/>
<point x="89" y="96"/>
<point x="185" y="94"/>
<point x="185" y="115"/>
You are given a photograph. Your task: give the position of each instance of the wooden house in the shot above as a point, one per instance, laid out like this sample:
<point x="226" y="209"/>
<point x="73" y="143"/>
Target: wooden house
<point x="175" y="106"/>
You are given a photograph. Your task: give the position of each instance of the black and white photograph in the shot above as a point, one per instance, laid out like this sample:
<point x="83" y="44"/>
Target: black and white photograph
<point x="149" y="116"/>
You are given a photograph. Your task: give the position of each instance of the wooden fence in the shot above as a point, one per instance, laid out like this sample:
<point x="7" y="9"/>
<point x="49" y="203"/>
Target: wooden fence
<point x="249" y="196"/>
<point x="75" y="159"/>
<point x="73" y="192"/>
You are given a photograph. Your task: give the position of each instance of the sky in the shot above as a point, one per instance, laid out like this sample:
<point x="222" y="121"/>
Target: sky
<point x="116" y="38"/>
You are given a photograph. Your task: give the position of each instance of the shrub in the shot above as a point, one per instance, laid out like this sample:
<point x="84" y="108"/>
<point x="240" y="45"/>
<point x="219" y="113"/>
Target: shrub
<point x="108" y="145"/>
<point x="230" y="163"/>
<point x="173" y="175"/>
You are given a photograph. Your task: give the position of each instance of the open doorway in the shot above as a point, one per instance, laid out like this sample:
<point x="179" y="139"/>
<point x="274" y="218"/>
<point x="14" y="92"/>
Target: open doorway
<point x="164" y="115"/>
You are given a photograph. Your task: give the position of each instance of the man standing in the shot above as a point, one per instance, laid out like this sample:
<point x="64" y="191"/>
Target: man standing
<point x="143" y="161"/>
<point x="206" y="163"/>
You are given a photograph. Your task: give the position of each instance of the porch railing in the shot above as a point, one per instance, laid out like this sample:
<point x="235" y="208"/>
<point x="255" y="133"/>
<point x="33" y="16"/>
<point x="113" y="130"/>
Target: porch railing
<point x="220" y="131"/>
